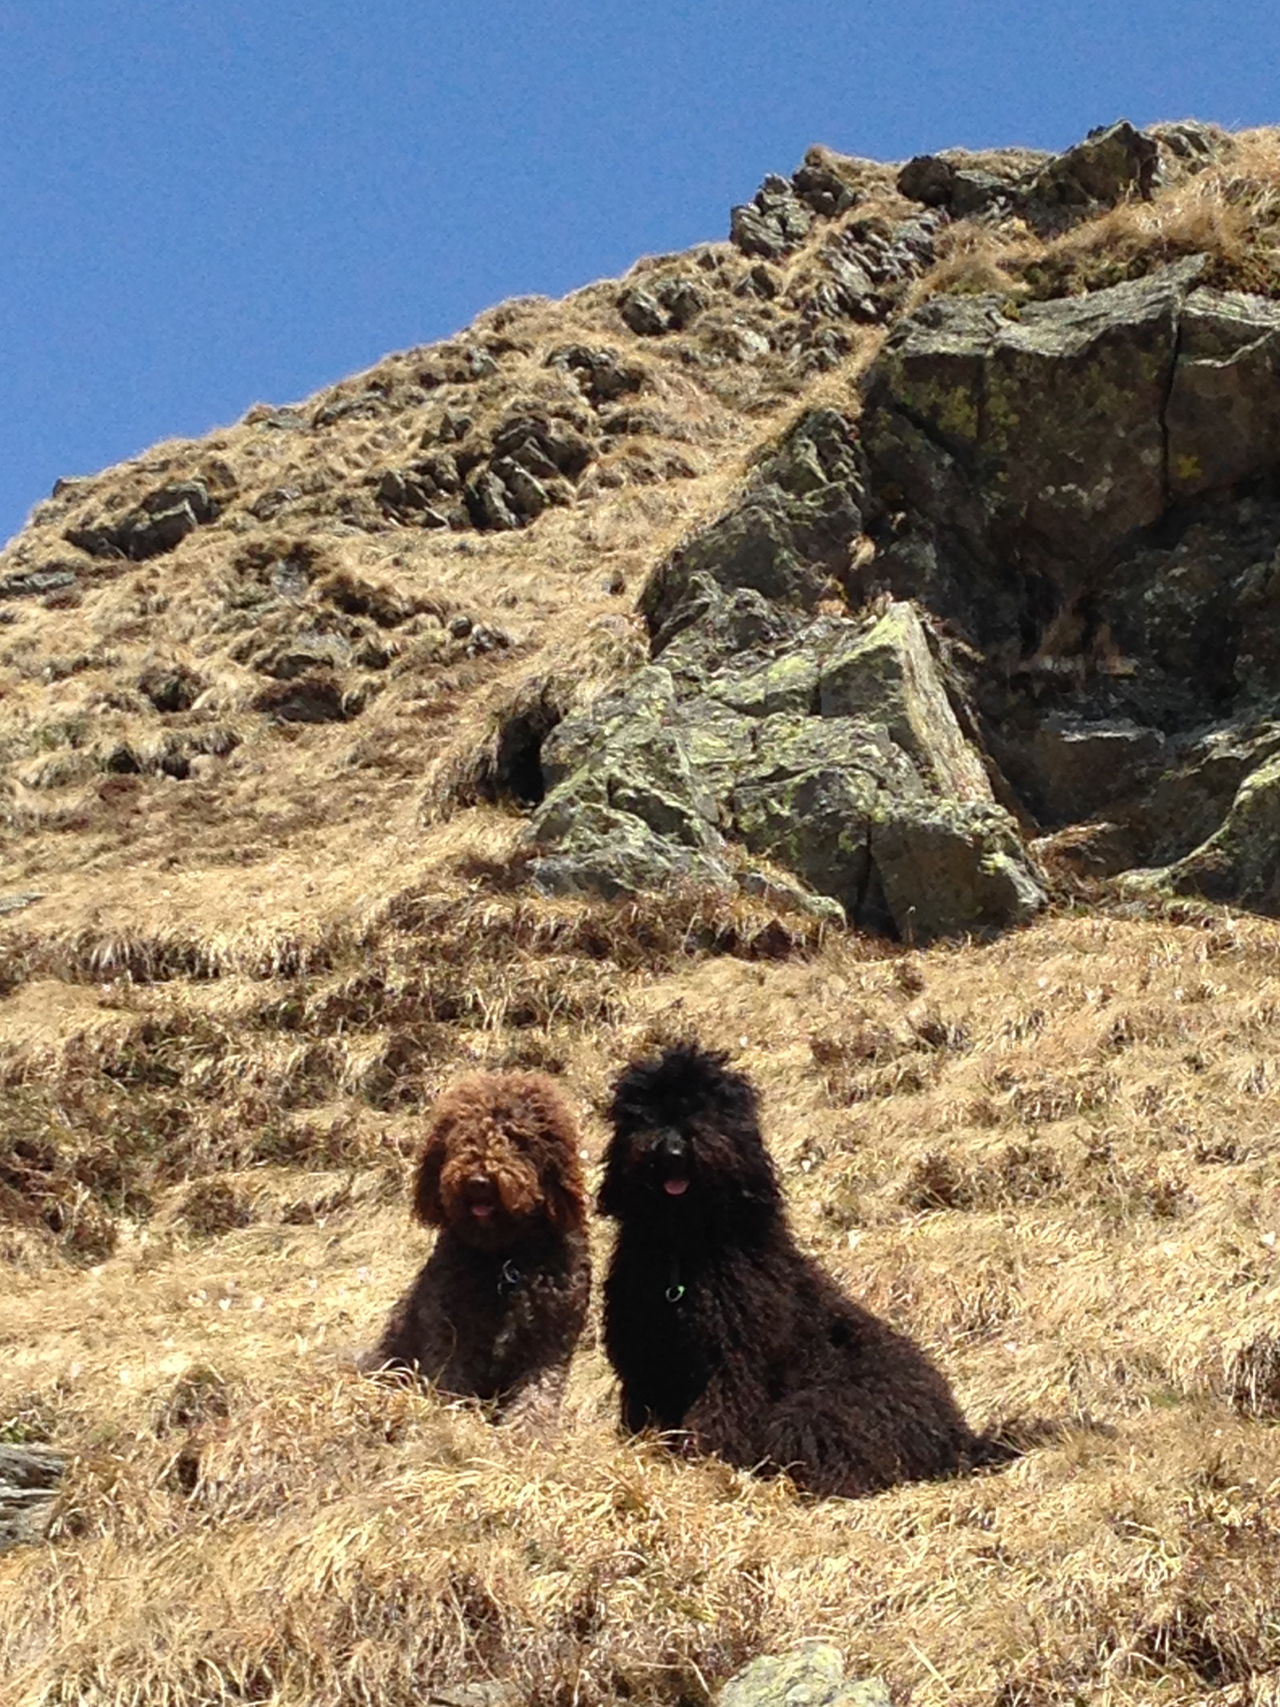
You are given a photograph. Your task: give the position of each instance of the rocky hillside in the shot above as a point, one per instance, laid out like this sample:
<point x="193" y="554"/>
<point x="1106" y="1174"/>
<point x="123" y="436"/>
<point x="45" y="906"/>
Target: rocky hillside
<point x="856" y="642"/>
<point x="942" y="495"/>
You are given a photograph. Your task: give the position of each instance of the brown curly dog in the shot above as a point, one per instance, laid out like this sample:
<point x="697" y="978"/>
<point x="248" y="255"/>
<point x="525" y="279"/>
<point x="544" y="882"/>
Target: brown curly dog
<point x="500" y="1304"/>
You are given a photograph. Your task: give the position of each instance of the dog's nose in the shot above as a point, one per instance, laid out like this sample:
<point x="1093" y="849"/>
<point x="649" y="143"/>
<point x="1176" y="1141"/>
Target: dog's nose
<point x="671" y="1147"/>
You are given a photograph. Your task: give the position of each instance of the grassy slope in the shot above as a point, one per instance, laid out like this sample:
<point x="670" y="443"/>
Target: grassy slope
<point x="1051" y="1158"/>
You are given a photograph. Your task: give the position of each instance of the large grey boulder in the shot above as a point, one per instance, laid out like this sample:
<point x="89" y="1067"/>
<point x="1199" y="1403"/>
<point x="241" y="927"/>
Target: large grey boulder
<point x="627" y="753"/>
<point x="830" y="750"/>
<point x="1081" y="493"/>
<point x="953" y="867"/>
<point x="1032" y="448"/>
<point x="595" y="850"/>
<point x="786" y="538"/>
<point x="1085" y="489"/>
<point x="1190" y="800"/>
<point x="1071" y="767"/>
<point x="1240" y="861"/>
<point x="888" y="673"/>
<point x="1223" y="413"/>
<point x="811" y="1675"/>
<point x="808" y="795"/>
<point x="625" y="810"/>
<point x="1037" y="439"/>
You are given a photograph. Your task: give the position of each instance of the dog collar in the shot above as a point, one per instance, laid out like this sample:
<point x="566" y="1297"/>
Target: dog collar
<point x="510" y="1278"/>
<point x="675" y="1286"/>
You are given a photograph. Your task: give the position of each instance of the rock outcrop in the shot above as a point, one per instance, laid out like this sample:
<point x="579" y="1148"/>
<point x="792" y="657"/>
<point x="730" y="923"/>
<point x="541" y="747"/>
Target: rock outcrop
<point x="1069" y="504"/>
<point x="1112" y="164"/>
<point x="824" y="743"/>
<point x="1084" y="492"/>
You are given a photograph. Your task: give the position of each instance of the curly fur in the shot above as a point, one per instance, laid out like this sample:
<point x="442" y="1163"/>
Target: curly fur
<point x="720" y="1327"/>
<point x="499" y="1306"/>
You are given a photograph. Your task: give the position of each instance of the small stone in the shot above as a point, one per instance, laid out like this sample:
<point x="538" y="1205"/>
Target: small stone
<point x="479" y="363"/>
<point x="927" y="179"/>
<point x="171" y="688"/>
<point x="272" y="502"/>
<point x="17" y="902"/>
<point x="974" y="193"/>
<point x="453" y="427"/>
<point x="542" y="446"/>
<point x="29" y="1477"/>
<point x="1113" y="161"/>
<point x="487" y="502"/>
<point x="602" y="373"/>
<point x="525" y="495"/>
<point x="484" y="639"/>
<point x="37" y="583"/>
<point x="683" y="301"/>
<point x="821" y="188"/>
<point x="123" y="761"/>
<point x="643" y="313"/>
<point x="279" y="420"/>
<point x="368" y="404"/>
<point x="485" y="1694"/>
<point x="811" y="1675"/>
<point x="313" y="698"/>
<point x="773" y="224"/>
<point x="765" y="281"/>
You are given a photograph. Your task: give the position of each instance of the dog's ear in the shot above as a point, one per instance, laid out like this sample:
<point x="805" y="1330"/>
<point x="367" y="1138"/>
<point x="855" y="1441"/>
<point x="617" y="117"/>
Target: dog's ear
<point x="428" y="1204"/>
<point x="611" y="1199"/>
<point x="565" y="1199"/>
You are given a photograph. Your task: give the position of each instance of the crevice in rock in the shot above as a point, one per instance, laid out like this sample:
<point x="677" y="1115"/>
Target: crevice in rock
<point x="864" y="884"/>
<point x="873" y="914"/>
<point x="516" y="772"/>
<point x="1166" y="485"/>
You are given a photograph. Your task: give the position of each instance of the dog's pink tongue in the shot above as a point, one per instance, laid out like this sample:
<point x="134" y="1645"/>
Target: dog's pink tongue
<point x="675" y="1187"/>
<point x="482" y="1211"/>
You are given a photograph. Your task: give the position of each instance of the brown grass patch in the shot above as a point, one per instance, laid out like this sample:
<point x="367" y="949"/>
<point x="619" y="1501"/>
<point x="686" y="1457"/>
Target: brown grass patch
<point x="1084" y="1266"/>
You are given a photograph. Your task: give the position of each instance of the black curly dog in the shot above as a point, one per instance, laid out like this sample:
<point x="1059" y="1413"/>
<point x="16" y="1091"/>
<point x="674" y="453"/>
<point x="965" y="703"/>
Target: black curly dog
<point x="720" y="1327"/>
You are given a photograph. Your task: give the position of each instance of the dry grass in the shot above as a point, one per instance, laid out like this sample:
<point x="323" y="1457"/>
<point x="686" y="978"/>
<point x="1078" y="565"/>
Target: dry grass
<point x="1072" y="1202"/>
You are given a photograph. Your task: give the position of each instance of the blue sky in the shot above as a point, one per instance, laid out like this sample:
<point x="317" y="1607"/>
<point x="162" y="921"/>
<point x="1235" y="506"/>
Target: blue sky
<point x="207" y="205"/>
